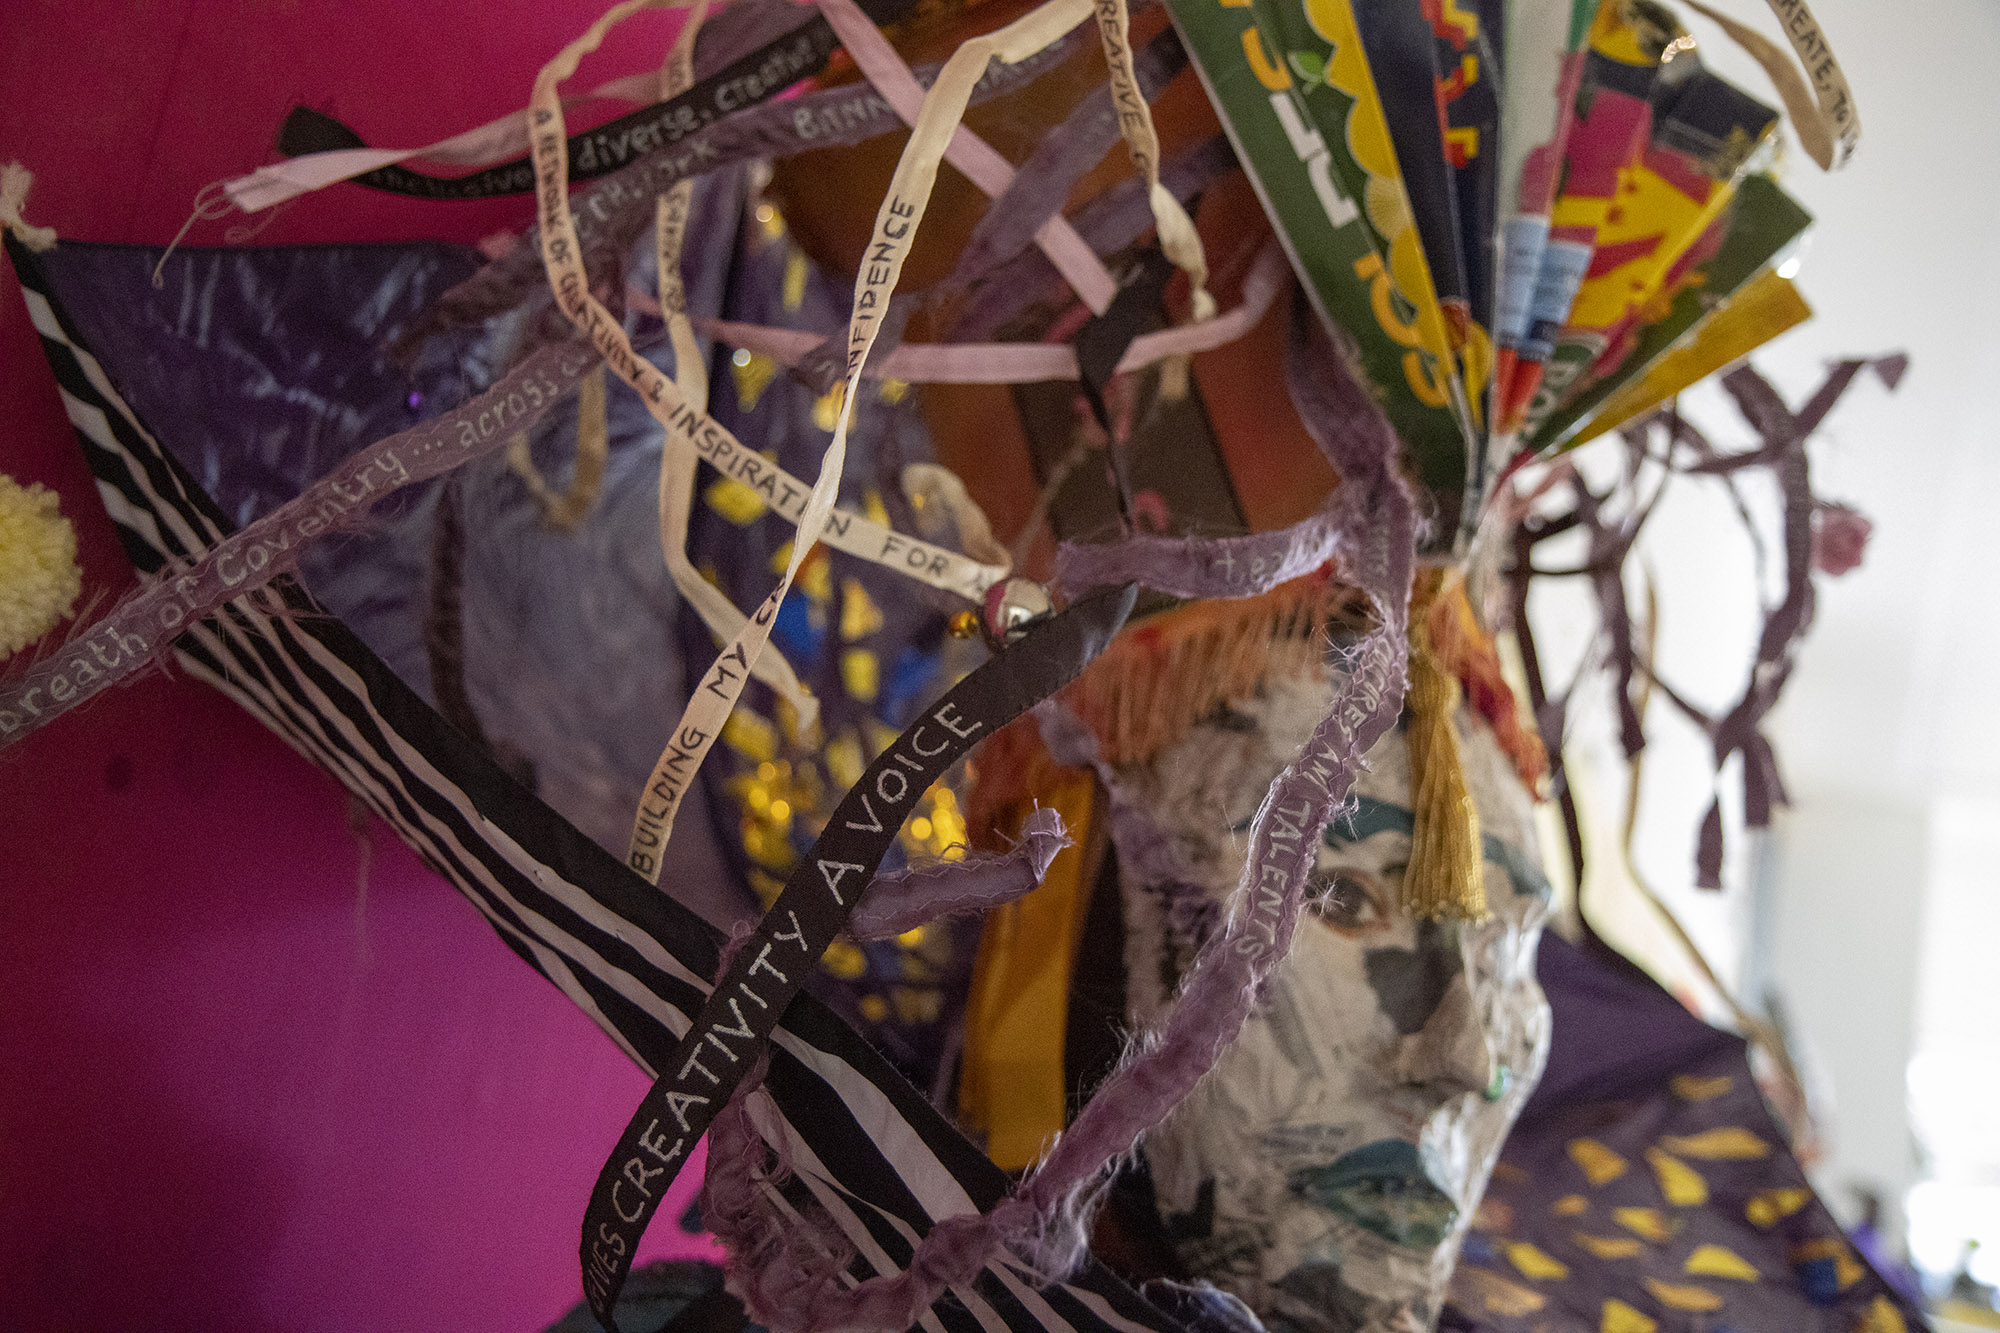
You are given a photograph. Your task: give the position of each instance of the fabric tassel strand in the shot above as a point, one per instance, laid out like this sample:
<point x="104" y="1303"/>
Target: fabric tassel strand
<point x="1444" y="880"/>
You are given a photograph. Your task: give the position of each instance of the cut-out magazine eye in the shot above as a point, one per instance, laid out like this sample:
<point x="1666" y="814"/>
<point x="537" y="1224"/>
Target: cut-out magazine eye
<point x="1353" y="902"/>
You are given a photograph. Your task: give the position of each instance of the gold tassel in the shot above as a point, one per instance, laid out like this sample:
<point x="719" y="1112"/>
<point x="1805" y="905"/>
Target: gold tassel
<point x="1445" y="880"/>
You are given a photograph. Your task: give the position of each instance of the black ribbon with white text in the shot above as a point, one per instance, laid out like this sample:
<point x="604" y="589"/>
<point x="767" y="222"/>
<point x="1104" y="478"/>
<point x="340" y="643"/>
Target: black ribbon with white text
<point x="745" y="82"/>
<point x="771" y="966"/>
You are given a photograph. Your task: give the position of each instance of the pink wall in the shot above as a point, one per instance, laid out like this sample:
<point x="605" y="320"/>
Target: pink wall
<point x="235" y="1095"/>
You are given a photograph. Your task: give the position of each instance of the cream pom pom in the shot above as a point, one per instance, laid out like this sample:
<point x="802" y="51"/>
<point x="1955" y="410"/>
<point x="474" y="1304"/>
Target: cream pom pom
<point x="39" y="577"/>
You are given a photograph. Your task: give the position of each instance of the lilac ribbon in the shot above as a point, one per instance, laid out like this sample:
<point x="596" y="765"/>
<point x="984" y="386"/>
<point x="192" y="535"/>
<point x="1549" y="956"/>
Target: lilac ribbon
<point x="902" y="900"/>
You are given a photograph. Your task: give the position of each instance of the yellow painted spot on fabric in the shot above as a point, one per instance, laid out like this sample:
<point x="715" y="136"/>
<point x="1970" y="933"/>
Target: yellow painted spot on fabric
<point x="874" y="1008"/>
<point x="1619" y="1317"/>
<point x="1533" y="1262"/>
<point x="1570" y="1205"/>
<point x="844" y="960"/>
<point x="1772" y="1206"/>
<point x="1646" y="1223"/>
<point x="1882" y="1317"/>
<point x="859" y="616"/>
<point x="1715" y="1261"/>
<point x="1600" y="1165"/>
<point x="816" y="575"/>
<point x="734" y="501"/>
<point x="1680" y="1184"/>
<point x="794" y="289"/>
<point x="861" y="673"/>
<point x="753" y="374"/>
<point x="826" y="407"/>
<point x="1607" y="1247"/>
<point x="1718" y="1145"/>
<point x="1680" y="1296"/>
<point x="871" y="505"/>
<point x="893" y="391"/>
<point x="1695" y="1088"/>
<point x="750" y="735"/>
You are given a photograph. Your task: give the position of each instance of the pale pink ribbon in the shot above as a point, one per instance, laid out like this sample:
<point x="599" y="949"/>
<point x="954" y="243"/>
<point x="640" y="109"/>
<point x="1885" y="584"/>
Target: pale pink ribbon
<point x="1010" y="363"/>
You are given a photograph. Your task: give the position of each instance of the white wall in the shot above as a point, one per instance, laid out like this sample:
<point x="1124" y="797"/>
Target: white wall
<point x="1891" y="728"/>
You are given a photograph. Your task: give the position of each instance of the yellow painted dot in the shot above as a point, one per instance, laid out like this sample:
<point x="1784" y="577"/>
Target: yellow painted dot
<point x="844" y="960"/>
<point x="734" y="501"/>
<point x="1647" y="1223"/>
<point x="794" y="289"/>
<point x="1680" y="1184"/>
<point x="843" y="760"/>
<point x="1682" y="1296"/>
<point x="1730" y="1144"/>
<point x="1600" y="1165"/>
<point x="1570" y="1205"/>
<point x="1607" y="1247"/>
<point x="826" y="408"/>
<point x="920" y="827"/>
<point x="1883" y="1317"/>
<point x="859" y="616"/>
<point x="816" y="575"/>
<point x="1773" y="1206"/>
<point x="911" y="938"/>
<point x="1618" y="1317"/>
<point x="1535" y="1263"/>
<point x="1715" y="1261"/>
<point x="874" y="1008"/>
<point x="753" y="374"/>
<point x="780" y="812"/>
<point x="750" y="735"/>
<point x="861" y="673"/>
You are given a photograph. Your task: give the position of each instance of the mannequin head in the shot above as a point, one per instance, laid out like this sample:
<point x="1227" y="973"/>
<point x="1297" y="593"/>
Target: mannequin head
<point x="1326" y="1170"/>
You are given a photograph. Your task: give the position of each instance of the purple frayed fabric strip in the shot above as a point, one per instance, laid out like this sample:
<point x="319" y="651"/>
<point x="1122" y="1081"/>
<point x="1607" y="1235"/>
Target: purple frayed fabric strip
<point x="906" y="899"/>
<point x="146" y="622"/>
<point x="792" y="1279"/>
<point x="1109" y="223"/>
<point x="1058" y="162"/>
<point x="1204" y="566"/>
<point x="612" y="213"/>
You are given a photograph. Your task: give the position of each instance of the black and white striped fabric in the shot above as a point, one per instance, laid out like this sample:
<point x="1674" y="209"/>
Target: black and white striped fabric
<point x="866" y="1146"/>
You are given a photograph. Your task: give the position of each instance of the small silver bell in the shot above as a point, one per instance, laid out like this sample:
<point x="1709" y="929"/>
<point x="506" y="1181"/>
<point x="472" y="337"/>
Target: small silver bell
<point x="1012" y="605"/>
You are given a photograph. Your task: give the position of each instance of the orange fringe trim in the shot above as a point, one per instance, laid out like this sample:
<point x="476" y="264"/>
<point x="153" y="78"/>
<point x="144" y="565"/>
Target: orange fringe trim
<point x="1168" y="672"/>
